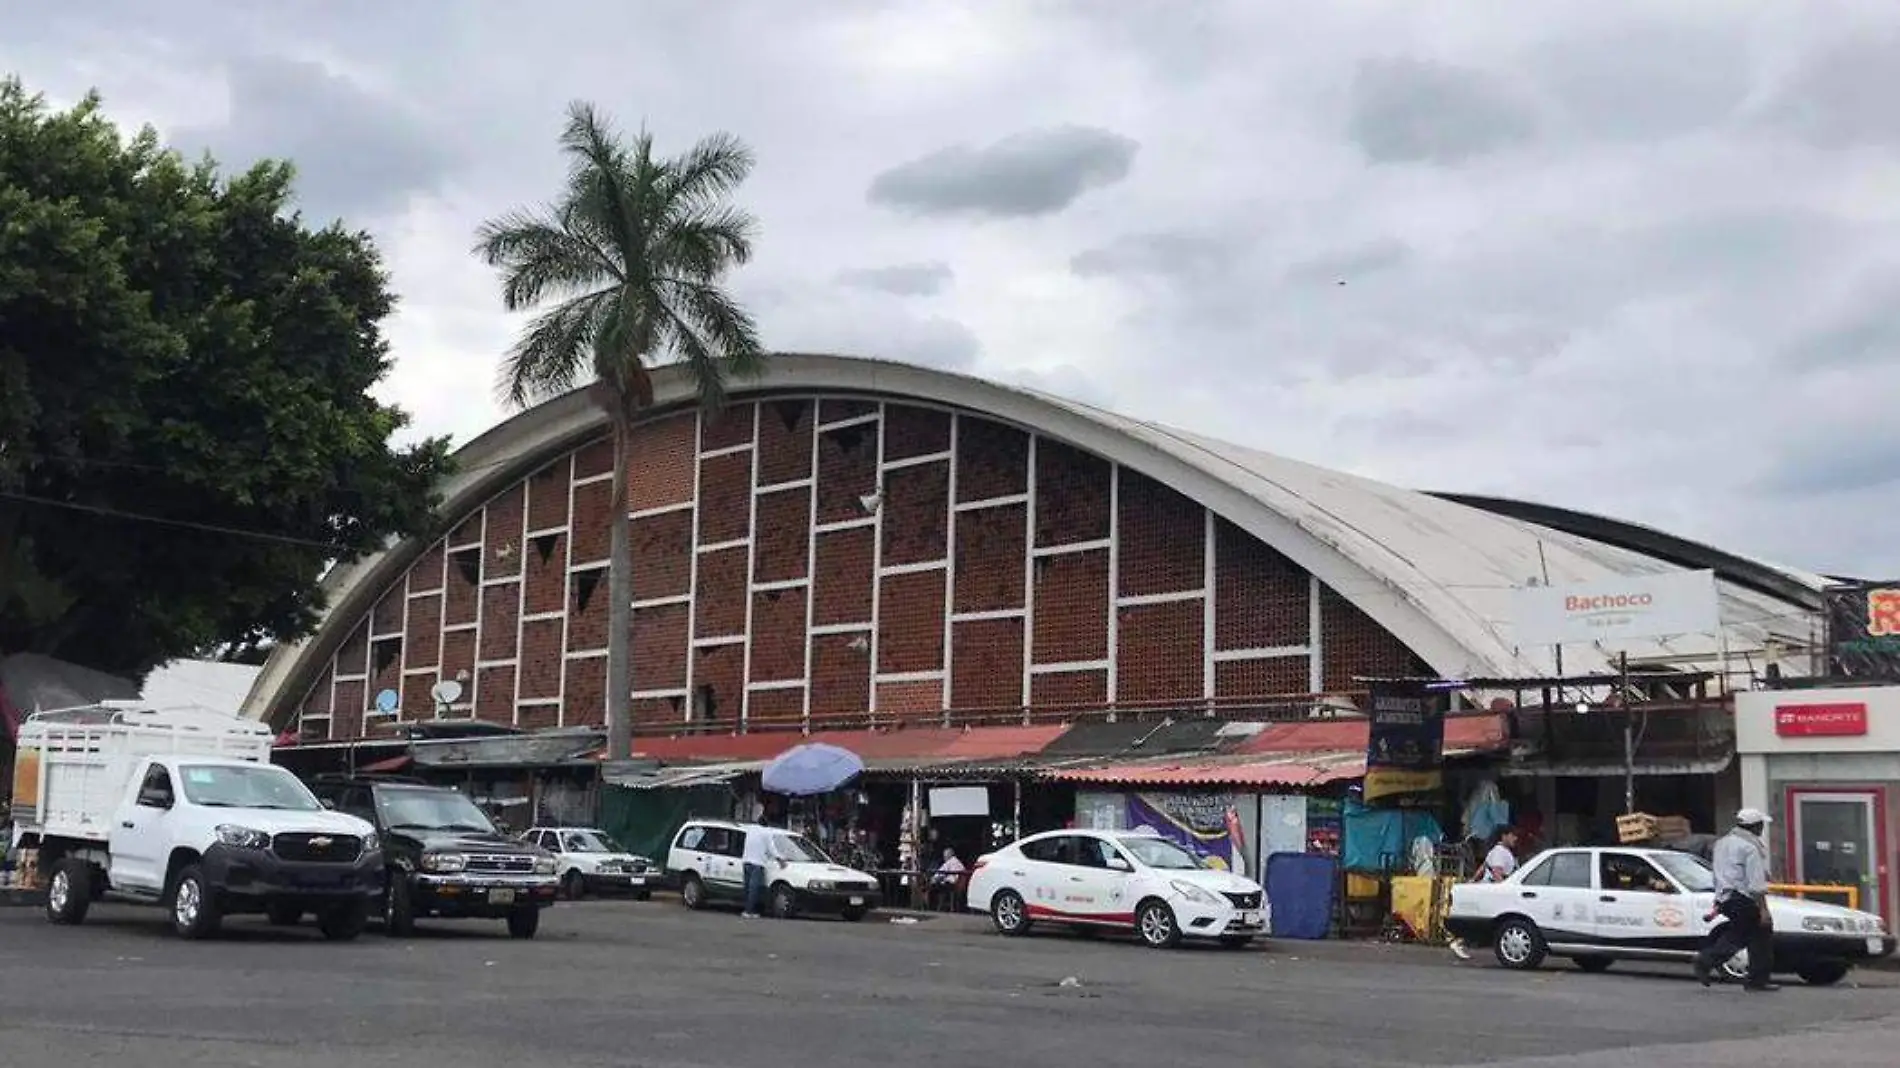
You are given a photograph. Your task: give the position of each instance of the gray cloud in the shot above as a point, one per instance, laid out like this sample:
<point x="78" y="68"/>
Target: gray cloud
<point x="1652" y="77"/>
<point x="1843" y="97"/>
<point x="1038" y="172"/>
<point x="1855" y="459"/>
<point x="1186" y="256"/>
<point x="1413" y="111"/>
<point x="358" y="153"/>
<point x="903" y="279"/>
<point x="1351" y="264"/>
<point x="1863" y="331"/>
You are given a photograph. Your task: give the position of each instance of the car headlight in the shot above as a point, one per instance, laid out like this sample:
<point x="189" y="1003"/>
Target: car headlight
<point x="371" y="843"/>
<point x="447" y="862"/>
<point x="1194" y="893"/>
<point x="230" y="834"/>
<point x="1822" y="923"/>
<point x="544" y="865"/>
<point x="1878" y="925"/>
<point x="821" y="884"/>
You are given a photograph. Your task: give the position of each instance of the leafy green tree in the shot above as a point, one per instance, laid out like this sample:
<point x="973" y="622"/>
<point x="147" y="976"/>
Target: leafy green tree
<point x="187" y="439"/>
<point x="628" y="261"/>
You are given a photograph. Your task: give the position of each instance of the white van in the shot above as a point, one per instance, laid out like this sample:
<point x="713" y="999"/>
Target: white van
<point x="707" y="863"/>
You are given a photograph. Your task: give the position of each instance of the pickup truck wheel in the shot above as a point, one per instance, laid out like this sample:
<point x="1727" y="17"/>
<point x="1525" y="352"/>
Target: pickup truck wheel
<point x="693" y="893"/>
<point x="342" y="923"/>
<point x="195" y="910"/>
<point x="399" y="911"/>
<point x="523" y="923"/>
<point x="1519" y="945"/>
<point x="1823" y="973"/>
<point x="69" y="892"/>
<point x="853" y="913"/>
<point x="283" y="915"/>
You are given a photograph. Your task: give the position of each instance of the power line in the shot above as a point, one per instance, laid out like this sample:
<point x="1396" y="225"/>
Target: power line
<point x="187" y="524"/>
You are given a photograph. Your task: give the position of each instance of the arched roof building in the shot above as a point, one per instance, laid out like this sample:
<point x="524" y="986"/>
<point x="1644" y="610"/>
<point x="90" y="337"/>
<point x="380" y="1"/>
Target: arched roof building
<point x="855" y="535"/>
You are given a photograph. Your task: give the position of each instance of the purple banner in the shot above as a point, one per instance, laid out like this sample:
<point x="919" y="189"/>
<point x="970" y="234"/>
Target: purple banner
<point x="1197" y="823"/>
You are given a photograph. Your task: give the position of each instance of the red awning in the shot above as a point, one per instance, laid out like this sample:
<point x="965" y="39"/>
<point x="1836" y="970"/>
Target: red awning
<point x="924" y="743"/>
<point x="1312" y="769"/>
<point x="1482" y="732"/>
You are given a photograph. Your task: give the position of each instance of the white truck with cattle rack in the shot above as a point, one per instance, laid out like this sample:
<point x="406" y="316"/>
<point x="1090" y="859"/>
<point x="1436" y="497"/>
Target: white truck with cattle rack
<point x="182" y="808"/>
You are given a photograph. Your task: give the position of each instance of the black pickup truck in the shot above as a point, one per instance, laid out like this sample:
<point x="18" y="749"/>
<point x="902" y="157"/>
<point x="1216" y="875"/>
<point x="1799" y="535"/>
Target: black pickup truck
<point x="445" y="857"/>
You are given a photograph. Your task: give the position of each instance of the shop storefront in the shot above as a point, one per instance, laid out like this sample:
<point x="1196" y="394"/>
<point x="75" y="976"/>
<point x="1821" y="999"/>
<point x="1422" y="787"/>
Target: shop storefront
<point x="1826" y="764"/>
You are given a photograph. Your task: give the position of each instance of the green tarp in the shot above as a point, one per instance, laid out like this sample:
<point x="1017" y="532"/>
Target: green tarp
<point x="645" y="820"/>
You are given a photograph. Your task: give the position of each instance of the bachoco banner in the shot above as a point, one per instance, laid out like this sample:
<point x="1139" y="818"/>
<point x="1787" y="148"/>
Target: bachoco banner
<point x="1207" y="825"/>
<point x="1405" y="750"/>
<point x="1863" y="630"/>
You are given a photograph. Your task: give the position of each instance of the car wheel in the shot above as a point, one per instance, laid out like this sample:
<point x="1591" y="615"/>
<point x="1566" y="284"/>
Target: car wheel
<point x="69" y="892"/>
<point x="283" y="915"/>
<point x="195" y="911"/>
<point x="784" y="902"/>
<point x="1518" y="944"/>
<point x="1155" y="923"/>
<point x="693" y="893"/>
<point x="523" y="923"/>
<point x="644" y="895"/>
<point x="399" y="909"/>
<point x="1593" y="965"/>
<point x="1823" y="973"/>
<point x="574" y="885"/>
<point x="1009" y="913"/>
<point x="342" y="923"/>
<point x="852" y="914"/>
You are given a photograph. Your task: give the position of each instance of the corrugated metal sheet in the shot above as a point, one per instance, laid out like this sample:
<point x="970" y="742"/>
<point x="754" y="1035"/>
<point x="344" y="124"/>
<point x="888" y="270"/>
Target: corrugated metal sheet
<point x="1460" y="564"/>
<point x="1136" y="737"/>
<point x="1286" y="770"/>
<point x="683" y="776"/>
<point x="1485" y="732"/>
<point x="912" y="745"/>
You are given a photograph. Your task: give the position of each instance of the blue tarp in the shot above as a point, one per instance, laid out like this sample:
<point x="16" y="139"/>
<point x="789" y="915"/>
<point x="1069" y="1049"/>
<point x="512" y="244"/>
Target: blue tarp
<point x="1300" y="888"/>
<point x="1380" y="839"/>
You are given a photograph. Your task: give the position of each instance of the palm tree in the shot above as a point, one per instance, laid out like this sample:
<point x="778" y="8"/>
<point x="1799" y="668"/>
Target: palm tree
<point x="625" y="267"/>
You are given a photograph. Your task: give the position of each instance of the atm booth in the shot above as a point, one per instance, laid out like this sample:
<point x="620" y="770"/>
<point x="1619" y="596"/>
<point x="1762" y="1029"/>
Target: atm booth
<point x="1825" y="763"/>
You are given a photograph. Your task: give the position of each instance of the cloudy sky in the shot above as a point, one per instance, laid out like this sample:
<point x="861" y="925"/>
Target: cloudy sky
<point x="1641" y="258"/>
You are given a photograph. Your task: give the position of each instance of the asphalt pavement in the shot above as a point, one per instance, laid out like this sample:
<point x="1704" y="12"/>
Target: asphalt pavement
<point x="649" y="985"/>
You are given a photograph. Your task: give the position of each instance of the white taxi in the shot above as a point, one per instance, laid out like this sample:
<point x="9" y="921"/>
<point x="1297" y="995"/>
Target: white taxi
<point x="1600" y="905"/>
<point x="1097" y="880"/>
<point x="590" y="861"/>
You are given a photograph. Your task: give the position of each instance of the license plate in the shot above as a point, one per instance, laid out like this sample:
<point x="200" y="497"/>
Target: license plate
<point x="1875" y="946"/>
<point x="857" y="901"/>
<point x="636" y="880"/>
<point x="501" y="896"/>
<point x="1251" y="919"/>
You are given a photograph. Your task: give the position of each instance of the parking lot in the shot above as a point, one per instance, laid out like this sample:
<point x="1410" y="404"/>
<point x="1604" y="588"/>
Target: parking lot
<point x="626" y="984"/>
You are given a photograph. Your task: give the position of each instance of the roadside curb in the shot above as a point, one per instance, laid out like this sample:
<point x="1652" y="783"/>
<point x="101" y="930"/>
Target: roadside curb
<point x="11" y="898"/>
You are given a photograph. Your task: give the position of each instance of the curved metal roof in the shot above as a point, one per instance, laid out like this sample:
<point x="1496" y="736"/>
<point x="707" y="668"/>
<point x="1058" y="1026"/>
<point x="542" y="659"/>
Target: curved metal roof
<point x="1436" y="573"/>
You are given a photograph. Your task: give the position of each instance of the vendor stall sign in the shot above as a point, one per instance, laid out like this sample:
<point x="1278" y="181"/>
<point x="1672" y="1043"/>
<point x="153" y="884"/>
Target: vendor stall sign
<point x="1405" y="750"/>
<point x="1842" y="719"/>
<point x="1863" y="629"/>
<point x="1198" y="823"/>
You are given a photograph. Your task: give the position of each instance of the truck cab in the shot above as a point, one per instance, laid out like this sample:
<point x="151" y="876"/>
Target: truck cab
<point x="184" y="810"/>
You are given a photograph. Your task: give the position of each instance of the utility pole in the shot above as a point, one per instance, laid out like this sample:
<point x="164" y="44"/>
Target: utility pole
<point x="1629" y="733"/>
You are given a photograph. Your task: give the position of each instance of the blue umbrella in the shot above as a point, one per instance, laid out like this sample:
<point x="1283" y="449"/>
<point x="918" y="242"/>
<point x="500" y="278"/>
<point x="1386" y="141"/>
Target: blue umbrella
<point x="805" y="770"/>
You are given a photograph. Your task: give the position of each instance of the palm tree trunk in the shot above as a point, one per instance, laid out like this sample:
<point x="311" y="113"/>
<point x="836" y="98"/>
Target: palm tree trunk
<point x="620" y="614"/>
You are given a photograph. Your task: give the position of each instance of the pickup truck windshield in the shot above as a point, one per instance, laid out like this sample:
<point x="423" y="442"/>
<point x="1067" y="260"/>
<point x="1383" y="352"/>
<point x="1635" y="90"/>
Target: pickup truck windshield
<point x="431" y="810"/>
<point x="263" y="786"/>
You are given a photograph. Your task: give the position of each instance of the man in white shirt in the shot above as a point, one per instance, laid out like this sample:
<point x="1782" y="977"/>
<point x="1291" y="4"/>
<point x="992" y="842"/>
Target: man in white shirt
<point x="758" y="854"/>
<point x="1741" y="894"/>
<point x="1498" y="865"/>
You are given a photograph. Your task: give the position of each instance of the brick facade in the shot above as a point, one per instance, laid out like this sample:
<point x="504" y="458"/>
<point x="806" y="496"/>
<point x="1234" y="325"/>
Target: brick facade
<point x="994" y="568"/>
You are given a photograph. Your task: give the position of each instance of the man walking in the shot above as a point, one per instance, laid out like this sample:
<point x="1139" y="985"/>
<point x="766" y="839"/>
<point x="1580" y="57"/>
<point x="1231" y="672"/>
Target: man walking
<point x="758" y="854"/>
<point x="1741" y="894"/>
<point x="1499" y="863"/>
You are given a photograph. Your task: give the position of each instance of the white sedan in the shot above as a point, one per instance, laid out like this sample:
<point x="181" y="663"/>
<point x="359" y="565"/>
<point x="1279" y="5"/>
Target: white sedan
<point x="1095" y="880"/>
<point x="1599" y="906"/>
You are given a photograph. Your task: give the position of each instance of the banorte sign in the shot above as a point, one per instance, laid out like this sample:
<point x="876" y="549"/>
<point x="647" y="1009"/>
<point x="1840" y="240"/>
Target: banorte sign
<point x="1639" y="606"/>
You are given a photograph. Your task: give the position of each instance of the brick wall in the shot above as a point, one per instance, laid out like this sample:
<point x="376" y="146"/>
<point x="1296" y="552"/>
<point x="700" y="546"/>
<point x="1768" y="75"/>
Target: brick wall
<point x="991" y="568"/>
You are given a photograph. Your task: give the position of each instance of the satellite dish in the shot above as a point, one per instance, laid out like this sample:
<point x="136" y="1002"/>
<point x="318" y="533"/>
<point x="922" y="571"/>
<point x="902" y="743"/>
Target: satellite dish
<point x="446" y="692"/>
<point x="387" y="701"/>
